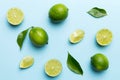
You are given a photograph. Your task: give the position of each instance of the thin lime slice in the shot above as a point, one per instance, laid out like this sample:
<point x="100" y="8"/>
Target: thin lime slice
<point x="15" y="16"/>
<point x="104" y="37"/>
<point x="26" y="62"/>
<point x="77" y="36"/>
<point x="53" y="67"/>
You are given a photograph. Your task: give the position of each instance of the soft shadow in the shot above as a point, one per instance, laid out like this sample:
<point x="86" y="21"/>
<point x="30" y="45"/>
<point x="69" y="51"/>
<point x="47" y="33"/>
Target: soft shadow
<point x="13" y="26"/>
<point x="49" y="77"/>
<point x="56" y="24"/>
<point x="95" y="72"/>
<point x="34" y="47"/>
<point x="99" y="46"/>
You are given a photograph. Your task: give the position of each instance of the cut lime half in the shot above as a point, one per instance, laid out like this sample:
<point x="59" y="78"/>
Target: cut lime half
<point x="15" y="16"/>
<point x="77" y="36"/>
<point x="104" y="37"/>
<point x="53" y="67"/>
<point x="26" y="62"/>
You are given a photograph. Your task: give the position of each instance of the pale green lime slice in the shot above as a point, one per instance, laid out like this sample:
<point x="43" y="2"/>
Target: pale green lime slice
<point x="26" y="62"/>
<point x="53" y="67"/>
<point x="77" y="36"/>
<point x="104" y="37"/>
<point x="15" y="16"/>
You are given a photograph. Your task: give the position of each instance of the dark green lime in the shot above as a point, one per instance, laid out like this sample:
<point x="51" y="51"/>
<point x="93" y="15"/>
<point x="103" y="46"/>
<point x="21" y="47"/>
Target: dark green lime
<point x="99" y="62"/>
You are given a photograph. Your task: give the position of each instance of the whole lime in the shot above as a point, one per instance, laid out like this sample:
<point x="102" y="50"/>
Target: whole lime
<point x="38" y="36"/>
<point x="99" y="62"/>
<point x="58" y="12"/>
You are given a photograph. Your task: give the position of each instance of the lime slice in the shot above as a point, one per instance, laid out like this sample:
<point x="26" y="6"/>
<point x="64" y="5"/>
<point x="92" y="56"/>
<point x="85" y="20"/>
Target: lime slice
<point x="53" y="67"/>
<point x="26" y="62"/>
<point x="104" y="37"/>
<point x="77" y="36"/>
<point x="15" y="16"/>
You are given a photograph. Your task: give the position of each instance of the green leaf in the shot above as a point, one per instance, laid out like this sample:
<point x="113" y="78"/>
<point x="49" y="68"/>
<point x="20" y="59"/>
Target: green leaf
<point x="21" y="37"/>
<point x="97" y="12"/>
<point x="73" y="65"/>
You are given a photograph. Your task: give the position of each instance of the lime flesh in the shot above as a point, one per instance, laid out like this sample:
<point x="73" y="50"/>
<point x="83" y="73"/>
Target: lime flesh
<point x="76" y="36"/>
<point x="26" y="62"/>
<point x="53" y="67"/>
<point x="104" y="37"/>
<point x="15" y="16"/>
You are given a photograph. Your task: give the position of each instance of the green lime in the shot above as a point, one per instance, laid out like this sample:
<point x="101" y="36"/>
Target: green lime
<point x="26" y="62"/>
<point x="38" y="36"/>
<point x="77" y="36"/>
<point x="99" y="62"/>
<point x="104" y="37"/>
<point x="58" y="12"/>
<point x="15" y="16"/>
<point x="53" y="67"/>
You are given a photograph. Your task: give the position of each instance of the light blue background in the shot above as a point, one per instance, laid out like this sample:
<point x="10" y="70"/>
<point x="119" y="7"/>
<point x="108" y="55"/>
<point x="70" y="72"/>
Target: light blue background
<point x="36" y="14"/>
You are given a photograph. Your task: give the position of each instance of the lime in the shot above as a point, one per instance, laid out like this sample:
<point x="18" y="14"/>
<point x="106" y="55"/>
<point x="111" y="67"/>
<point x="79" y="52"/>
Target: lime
<point x="26" y="62"/>
<point x="104" y="37"/>
<point x="77" y="36"/>
<point x="53" y="67"/>
<point x="15" y="16"/>
<point x="99" y="62"/>
<point x="38" y="36"/>
<point x="58" y="12"/>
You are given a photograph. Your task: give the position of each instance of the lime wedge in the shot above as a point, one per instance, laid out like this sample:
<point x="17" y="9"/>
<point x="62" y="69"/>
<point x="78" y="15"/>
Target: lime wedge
<point x="104" y="37"/>
<point x="15" y="16"/>
<point x="77" y="36"/>
<point x="26" y="62"/>
<point x="53" y="67"/>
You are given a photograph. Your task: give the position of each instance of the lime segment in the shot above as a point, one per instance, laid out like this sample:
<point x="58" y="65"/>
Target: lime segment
<point x="26" y="62"/>
<point x="77" y="36"/>
<point x="15" y="16"/>
<point x="53" y="67"/>
<point x="104" y="37"/>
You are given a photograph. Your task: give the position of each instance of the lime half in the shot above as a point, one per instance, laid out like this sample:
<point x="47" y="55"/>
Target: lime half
<point x="77" y="36"/>
<point x="26" y="62"/>
<point x="104" y="37"/>
<point x="53" y="67"/>
<point x="15" y="16"/>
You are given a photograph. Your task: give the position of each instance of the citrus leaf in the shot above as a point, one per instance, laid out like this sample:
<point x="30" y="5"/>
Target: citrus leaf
<point x="21" y="37"/>
<point x="73" y="65"/>
<point x="97" y="12"/>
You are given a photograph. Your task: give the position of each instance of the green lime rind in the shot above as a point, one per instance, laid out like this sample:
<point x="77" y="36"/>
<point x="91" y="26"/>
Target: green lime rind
<point x="38" y="36"/>
<point x="99" y="62"/>
<point x="58" y="12"/>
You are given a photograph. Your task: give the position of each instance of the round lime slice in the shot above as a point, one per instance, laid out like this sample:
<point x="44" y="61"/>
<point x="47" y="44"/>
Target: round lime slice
<point x="77" y="36"/>
<point x="26" y="62"/>
<point x="15" y="16"/>
<point x="53" y="67"/>
<point x="104" y="37"/>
